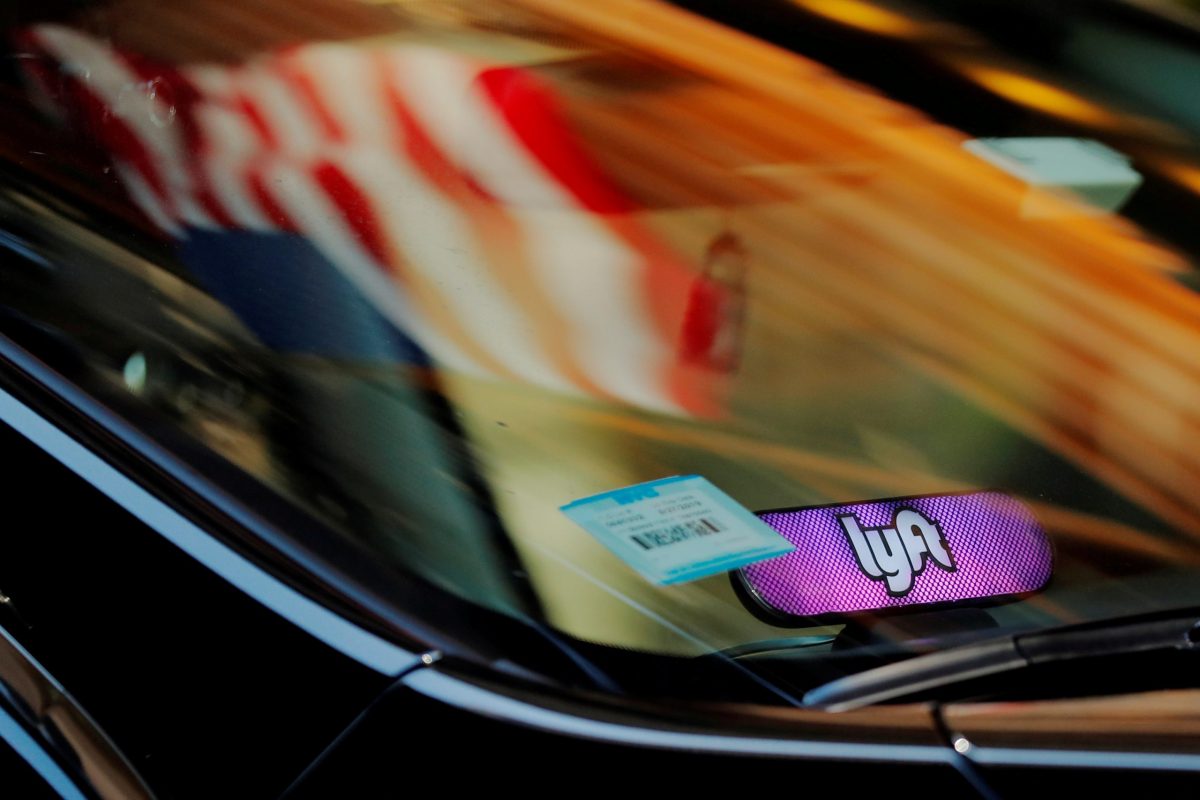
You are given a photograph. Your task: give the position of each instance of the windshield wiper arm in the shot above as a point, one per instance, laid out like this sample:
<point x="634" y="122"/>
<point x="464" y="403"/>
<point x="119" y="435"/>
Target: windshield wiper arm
<point x="1180" y="630"/>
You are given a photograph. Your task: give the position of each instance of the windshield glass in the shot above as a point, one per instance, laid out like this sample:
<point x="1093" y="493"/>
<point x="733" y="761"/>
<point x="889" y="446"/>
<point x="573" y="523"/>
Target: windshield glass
<point x="433" y="270"/>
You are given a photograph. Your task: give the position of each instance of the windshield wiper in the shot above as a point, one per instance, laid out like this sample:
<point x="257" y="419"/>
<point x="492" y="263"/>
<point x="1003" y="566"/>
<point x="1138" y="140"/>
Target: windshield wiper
<point x="1178" y="630"/>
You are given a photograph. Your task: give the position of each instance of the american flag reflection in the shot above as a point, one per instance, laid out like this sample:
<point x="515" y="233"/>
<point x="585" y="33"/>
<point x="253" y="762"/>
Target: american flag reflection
<point x="449" y="191"/>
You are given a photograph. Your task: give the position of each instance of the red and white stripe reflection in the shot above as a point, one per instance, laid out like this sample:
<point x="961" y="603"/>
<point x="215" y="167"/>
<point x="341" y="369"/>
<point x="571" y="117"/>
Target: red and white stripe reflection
<point x="450" y="191"/>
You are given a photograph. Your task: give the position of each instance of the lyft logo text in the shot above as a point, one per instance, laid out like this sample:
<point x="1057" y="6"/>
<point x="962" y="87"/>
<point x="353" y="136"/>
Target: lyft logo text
<point x="897" y="554"/>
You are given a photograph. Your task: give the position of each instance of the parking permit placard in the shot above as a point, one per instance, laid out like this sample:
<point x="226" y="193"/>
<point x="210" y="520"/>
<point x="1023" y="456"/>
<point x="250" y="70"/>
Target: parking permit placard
<point x="677" y="529"/>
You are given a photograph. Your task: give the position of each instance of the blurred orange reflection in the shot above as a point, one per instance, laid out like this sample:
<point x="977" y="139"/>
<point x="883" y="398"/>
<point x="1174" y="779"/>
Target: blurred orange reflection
<point x="1037" y="94"/>
<point x="866" y="16"/>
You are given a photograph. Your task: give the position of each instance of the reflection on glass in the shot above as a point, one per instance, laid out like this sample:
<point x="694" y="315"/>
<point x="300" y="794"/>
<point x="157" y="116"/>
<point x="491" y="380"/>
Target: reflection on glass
<point x="458" y="268"/>
<point x="446" y="190"/>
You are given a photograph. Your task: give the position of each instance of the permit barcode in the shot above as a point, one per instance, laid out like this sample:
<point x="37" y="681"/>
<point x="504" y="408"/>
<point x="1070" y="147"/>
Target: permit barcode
<point x="682" y="532"/>
<point x="711" y="532"/>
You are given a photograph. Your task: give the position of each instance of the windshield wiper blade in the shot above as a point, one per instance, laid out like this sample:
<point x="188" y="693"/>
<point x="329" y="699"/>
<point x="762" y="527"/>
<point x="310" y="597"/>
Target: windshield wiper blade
<point x="1179" y="630"/>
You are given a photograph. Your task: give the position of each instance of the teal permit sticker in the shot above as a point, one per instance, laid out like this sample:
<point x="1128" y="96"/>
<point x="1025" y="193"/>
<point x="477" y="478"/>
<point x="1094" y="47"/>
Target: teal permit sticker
<point x="677" y="529"/>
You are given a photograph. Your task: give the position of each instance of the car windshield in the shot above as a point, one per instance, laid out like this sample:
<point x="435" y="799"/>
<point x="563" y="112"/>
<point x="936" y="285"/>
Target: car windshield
<point x="430" y="271"/>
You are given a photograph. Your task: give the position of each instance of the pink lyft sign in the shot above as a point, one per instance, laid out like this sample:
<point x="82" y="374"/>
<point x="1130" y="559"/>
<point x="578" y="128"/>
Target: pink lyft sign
<point x="901" y="552"/>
